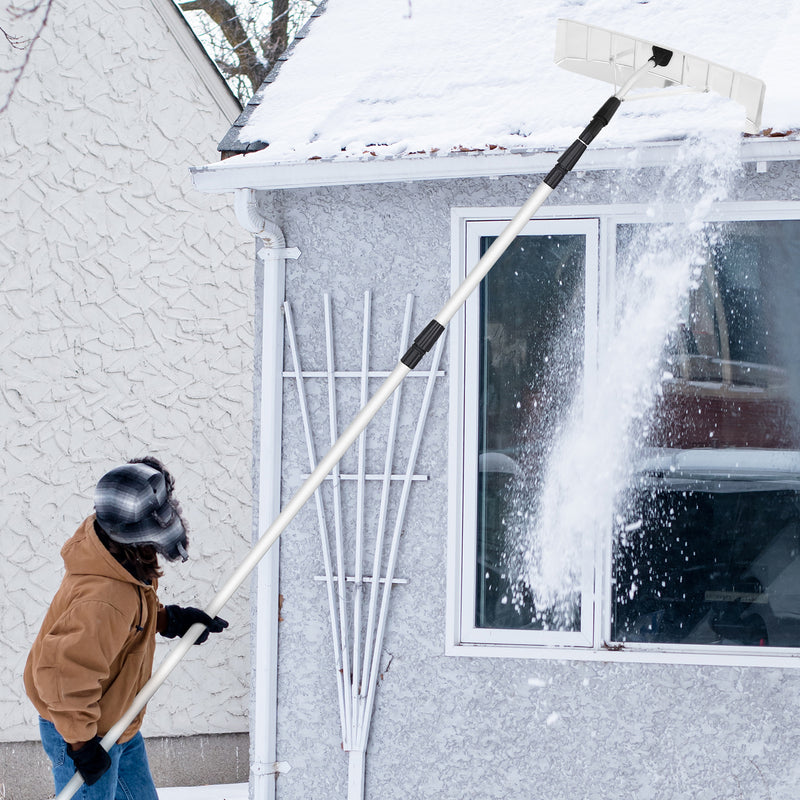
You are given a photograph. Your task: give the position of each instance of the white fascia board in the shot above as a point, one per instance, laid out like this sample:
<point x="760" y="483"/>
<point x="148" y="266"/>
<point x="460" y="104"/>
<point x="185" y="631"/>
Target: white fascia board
<point x="253" y="172"/>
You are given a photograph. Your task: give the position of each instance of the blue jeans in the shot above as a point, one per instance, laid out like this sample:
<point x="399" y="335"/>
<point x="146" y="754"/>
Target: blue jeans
<point x="128" y="777"/>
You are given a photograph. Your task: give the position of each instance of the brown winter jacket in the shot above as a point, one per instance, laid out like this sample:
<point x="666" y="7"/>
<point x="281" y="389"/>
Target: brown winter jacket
<point x="95" y="649"/>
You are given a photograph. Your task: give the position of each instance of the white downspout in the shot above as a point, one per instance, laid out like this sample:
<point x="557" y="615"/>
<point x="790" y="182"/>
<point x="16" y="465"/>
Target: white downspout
<point x="271" y="250"/>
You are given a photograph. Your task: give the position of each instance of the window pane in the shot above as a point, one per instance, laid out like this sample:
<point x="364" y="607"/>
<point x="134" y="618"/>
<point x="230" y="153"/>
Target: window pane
<point x="707" y="545"/>
<point x="532" y="298"/>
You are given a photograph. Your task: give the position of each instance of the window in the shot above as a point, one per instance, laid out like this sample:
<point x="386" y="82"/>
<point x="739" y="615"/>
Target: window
<point x="694" y="546"/>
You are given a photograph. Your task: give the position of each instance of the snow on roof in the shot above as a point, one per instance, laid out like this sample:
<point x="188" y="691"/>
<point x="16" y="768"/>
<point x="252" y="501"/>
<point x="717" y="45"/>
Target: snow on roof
<point x="409" y="77"/>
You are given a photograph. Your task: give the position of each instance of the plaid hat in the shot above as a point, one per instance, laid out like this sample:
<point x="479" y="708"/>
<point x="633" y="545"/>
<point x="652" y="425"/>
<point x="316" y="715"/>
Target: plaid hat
<point x="134" y="506"/>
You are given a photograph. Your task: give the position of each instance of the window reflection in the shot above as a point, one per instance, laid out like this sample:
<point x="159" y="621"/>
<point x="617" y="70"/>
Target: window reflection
<point x="532" y="298"/>
<point x="707" y="542"/>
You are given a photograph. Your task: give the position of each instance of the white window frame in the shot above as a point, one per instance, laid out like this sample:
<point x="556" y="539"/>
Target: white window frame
<point x="462" y="637"/>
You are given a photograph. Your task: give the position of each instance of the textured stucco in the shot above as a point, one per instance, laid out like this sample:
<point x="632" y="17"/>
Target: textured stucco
<point x="455" y="728"/>
<point x="126" y="308"/>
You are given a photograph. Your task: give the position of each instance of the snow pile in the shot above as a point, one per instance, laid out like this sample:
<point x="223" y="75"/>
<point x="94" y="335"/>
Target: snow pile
<point x="592" y="456"/>
<point x="406" y="77"/>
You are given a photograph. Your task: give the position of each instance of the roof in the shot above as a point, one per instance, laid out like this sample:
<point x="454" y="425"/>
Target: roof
<point x="426" y="78"/>
<point x="234" y="143"/>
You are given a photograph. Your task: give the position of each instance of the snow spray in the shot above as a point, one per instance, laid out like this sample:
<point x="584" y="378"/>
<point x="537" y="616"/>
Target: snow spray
<point x="574" y="471"/>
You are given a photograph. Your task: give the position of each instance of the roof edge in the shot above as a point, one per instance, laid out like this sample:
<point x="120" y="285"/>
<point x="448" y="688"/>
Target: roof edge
<point x="194" y="51"/>
<point x="230" y="145"/>
<point x="243" y="172"/>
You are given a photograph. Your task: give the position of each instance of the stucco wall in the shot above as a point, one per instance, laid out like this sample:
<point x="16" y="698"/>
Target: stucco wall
<point x="126" y="303"/>
<point x="459" y="728"/>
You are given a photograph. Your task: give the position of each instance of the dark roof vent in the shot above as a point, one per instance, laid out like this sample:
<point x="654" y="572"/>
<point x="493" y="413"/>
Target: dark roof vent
<point x="250" y="147"/>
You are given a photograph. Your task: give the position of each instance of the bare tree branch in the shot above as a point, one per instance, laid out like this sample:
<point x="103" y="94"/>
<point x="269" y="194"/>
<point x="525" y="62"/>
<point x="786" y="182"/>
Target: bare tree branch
<point x="224" y="14"/>
<point x="245" y="38"/>
<point x="19" y="43"/>
<point x="278" y="30"/>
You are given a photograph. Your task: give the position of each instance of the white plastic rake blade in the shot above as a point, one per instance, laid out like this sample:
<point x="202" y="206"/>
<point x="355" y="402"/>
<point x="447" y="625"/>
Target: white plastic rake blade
<point x="614" y="57"/>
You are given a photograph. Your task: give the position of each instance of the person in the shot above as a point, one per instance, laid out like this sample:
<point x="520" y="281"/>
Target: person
<point x="95" y="649"/>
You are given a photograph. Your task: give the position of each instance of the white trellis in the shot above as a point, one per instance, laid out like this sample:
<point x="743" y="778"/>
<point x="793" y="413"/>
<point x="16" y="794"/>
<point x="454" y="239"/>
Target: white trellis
<point x="358" y="624"/>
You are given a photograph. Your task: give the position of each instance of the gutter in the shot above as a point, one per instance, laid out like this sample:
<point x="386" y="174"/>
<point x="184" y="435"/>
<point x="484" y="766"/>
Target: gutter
<point x="271" y="252"/>
<point x="256" y="172"/>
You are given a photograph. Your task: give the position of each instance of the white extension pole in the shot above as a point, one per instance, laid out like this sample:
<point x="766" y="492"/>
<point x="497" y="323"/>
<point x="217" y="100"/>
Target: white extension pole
<point x="660" y="58"/>
<point x="422" y="345"/>
<point x="304" y="493"/>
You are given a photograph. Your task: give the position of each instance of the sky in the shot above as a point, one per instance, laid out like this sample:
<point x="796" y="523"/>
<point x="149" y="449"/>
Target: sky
<point x="437" y="76"/>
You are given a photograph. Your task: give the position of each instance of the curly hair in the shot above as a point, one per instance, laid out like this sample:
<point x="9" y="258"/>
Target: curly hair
<point x="140" y="560"/>
<point x="154" y="463"/>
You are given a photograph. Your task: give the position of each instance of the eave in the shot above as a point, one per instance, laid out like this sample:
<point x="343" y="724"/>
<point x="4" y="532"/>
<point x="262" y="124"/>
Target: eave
<point x="255" y="172"/>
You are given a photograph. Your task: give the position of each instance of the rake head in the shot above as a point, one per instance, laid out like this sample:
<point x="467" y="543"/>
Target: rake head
<point x="615" y="57"/>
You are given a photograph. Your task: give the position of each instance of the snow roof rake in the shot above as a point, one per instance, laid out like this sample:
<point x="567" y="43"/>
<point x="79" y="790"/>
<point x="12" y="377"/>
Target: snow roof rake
<point x="616" y="58"/>
<point x="622" y="60"/>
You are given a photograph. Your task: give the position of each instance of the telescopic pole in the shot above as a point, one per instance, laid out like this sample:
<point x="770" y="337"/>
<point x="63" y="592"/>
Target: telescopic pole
<point x="422" y="344"/>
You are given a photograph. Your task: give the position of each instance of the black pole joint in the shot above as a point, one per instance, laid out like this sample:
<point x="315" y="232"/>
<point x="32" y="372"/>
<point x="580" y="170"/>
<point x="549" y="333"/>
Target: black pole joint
<point x="661" y="56"/>
<point x="422" y="344"/>
<point x="573" y="153"/>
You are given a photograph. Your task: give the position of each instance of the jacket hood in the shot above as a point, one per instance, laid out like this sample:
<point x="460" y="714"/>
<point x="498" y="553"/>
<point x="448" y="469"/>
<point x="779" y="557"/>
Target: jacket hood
<point x="84" y="554"/>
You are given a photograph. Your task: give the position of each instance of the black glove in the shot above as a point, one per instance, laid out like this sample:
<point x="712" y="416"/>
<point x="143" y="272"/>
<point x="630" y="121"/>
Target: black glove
<point x="179" y="620"/>
<point x="91" y="760"/>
